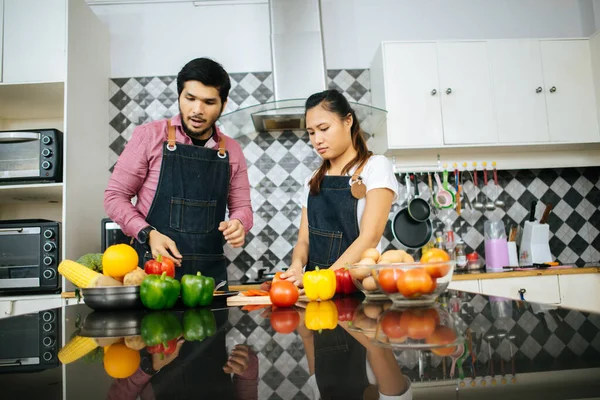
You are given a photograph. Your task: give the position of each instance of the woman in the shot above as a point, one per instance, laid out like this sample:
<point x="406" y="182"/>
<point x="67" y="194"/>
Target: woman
<point x="347" y="200"/>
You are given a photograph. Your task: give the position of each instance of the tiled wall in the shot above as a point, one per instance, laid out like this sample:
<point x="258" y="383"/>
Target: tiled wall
<point x="279" y="162"/>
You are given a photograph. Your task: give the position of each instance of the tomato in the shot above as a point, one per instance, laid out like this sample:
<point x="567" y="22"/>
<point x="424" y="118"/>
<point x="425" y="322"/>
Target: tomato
<point x="436" y="255"/>
<point x="277" y="277"/>
<point x="415" y="282"/>
<point x="284" y="320"/>
<point x="387" y="279"/>
<point x="391" y="327"/>
<point x="442" y="335"/>
<point x="419" y="324"/>
<point x="283" y="294"/>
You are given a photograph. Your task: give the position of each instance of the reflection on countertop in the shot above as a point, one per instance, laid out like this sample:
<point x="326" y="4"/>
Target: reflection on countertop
<point x="511" y="348"/>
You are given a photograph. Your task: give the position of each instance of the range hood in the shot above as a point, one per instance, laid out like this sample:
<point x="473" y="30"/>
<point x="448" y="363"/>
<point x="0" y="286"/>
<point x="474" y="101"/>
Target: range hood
<point x="298" y="60"/>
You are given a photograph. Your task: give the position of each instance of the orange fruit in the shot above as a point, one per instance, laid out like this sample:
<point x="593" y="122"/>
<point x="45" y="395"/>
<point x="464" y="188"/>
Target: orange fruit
<point x="118" y="260"/>
<point x="120" y="361"/>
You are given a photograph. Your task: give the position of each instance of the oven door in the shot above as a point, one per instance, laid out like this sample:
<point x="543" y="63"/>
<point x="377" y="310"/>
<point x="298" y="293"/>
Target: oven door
<point x="20" y="254"/>
<point x="19" y="155"/>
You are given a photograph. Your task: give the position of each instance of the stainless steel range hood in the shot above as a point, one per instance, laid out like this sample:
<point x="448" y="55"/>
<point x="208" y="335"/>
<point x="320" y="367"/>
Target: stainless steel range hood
<point x="298" y="60"/>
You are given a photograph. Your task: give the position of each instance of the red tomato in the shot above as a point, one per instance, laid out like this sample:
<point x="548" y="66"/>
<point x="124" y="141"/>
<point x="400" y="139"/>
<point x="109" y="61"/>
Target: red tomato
<point x="160" y="265"/>
<point x="419" y="324"/>
<point x="391" y="327"/>
<point x="284" y="320"/>
<point x="441" y="336"/>
<point x="387" y="279"/>
<point x="415" y="282"/>
<point x="283" y="294"/>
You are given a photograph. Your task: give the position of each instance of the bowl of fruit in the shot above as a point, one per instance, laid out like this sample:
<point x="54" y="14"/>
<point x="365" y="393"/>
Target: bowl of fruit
<point x="423" y="328"/>
<point x="415" y="283"/>
<point x="365" y="316"/>
<point x="363" y="272"/>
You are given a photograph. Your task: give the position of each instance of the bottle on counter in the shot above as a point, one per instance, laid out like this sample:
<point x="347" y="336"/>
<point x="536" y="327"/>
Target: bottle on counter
<point x="460" y="256"/>
<point x="449" y="239"/>
<point x="439" y="240"/>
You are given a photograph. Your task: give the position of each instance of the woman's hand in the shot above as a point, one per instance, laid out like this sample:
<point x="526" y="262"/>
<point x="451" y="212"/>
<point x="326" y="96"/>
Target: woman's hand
<point x="293" y="274"/>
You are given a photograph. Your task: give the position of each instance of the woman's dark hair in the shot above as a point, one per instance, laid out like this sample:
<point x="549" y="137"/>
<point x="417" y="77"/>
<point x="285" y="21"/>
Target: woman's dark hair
<point x="335" y="102"/>
<point x="208" y="72"/>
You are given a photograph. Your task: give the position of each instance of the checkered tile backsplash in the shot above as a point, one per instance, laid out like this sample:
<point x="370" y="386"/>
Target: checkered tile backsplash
<point x="278" y="163"/>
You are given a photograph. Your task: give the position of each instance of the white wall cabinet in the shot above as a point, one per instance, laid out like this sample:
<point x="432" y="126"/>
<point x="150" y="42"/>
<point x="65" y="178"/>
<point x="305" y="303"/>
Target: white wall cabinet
<point x="519" y="91"/>
<point x="467" y="100"/>
<point x="413" y="98"/>
<point x="489" y="93"/>
<point x="570" y="98"/>
<point x="1" y="35"/>
<point x="34" y="41"/>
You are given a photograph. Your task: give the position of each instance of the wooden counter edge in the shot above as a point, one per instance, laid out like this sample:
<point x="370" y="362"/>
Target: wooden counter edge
<point x="519" y="274"/>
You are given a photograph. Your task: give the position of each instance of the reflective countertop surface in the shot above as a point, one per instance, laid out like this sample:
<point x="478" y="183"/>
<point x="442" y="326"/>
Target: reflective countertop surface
<point x="500" y="349"/>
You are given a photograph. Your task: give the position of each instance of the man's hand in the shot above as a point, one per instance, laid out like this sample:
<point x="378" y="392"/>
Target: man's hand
<point x="234" y="232"/>
<point x="163" y="245"/>
<point x="159" y="361"/>
<point x="238" y="360"/>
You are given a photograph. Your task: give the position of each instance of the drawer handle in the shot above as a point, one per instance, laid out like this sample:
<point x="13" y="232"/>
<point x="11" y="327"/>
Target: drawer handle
<point x="521" y="293"/>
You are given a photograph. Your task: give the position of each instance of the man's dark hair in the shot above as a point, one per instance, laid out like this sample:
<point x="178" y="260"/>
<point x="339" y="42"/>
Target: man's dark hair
<point x="208" y="72"/>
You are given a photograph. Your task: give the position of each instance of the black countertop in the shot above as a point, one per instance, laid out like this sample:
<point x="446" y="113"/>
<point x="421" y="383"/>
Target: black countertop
<point x="521" y="350"/>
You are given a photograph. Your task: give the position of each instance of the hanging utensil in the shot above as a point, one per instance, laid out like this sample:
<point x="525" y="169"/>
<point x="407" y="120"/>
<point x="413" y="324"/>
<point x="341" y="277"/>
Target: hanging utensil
<point x="443" y="198"/>
<point x="407" y="231"/>
<point x="489" y="204"/>
<point x="418" y="208"/>
<point x="498" y="203"/>
<point x="477" y="205"/>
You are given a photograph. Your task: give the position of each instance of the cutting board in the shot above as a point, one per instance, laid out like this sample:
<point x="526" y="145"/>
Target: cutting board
<point x="241" y="300"/>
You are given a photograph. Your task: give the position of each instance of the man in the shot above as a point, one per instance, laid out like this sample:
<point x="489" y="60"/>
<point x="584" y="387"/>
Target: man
<point x="185" y="173"/>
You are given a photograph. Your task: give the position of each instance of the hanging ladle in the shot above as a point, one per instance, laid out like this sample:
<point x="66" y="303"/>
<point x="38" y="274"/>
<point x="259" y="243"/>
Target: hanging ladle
<point x="489" y="205"/>
<point x="477" y="205"/>
<point x="498" y="203"/>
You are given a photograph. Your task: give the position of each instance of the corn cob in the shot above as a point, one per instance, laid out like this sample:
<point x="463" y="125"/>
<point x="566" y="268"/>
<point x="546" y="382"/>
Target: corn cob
<point x="78" y="347"/>
<point x="83" y="277"/>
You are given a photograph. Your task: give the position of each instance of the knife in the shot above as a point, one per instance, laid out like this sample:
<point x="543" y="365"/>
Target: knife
<point x="546" y="214"/>
<point x="532" y="211"/>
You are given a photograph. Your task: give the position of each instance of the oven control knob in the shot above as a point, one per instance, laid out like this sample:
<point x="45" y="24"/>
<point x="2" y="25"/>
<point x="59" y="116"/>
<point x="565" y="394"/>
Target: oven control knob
<point x="47" y="327"/>
<point x="47" y="356"/>
<point x="48" y="316"/>
<point x="48" y="233"/>
<point x="46" y="165"/>
<point x="46" y="152"/>
<point x="48" y="260"/>
<point x="49" y="246"/>
<point x="46" y="140"/>
<point x="48" y="341"/>
<point x="49" y="273"/>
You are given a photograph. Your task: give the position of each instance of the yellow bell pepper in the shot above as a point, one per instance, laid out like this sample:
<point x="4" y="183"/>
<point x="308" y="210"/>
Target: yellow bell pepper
<point x="321" y="315"/>
<point x="319" y="284"/>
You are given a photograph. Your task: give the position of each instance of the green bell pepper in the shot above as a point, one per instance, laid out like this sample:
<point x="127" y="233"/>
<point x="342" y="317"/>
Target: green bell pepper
<point x="197" y="290"/>
<point x="159" y="292"/>
<point x="198" y="324"/>
<point x="160" y="328"/>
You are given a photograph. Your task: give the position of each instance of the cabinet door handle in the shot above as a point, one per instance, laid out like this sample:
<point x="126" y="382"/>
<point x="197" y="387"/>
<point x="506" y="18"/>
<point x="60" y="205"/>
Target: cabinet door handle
<point x="539" y="89"/>
<point x="448" y="91"/>
<point x="433" y="92"/>
<point x="553" y="89"/>
<point x="522" y="294"/>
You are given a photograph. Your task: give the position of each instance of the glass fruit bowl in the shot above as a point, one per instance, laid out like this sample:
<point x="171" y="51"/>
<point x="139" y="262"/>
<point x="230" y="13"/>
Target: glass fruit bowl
<point x="423" y="328"/>
<point x="413" y="284"/>
<point x="364" y="279"/>
<point x="365" y="316"/>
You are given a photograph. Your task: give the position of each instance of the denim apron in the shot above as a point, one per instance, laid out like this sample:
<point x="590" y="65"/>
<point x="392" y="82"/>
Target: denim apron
<point x="340" y="361"/>
<point x="189" y="204"/>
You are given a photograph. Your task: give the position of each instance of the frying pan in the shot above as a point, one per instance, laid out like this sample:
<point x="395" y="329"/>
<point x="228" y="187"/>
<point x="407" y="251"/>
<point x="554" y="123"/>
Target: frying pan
<point x="410" y="233"/>
<point x="418" y="208"/>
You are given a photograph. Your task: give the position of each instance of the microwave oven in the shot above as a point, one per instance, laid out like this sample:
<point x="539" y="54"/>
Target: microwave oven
<point x="31" y="156"/>
<point x="30" y="342"/>
<point x="111" y="233"/>
<point x="29" y="256"/>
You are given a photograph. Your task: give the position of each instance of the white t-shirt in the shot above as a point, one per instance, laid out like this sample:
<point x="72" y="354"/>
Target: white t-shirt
<point x="378" y="173"/>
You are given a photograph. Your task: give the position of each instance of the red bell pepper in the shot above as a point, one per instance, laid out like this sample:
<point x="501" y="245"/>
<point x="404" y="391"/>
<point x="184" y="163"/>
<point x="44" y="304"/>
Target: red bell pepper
<point x="346" y="307"/>
<point x="163" y="349"/>
<point x="343" y="281"/>
<point x="160" y="265"/>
